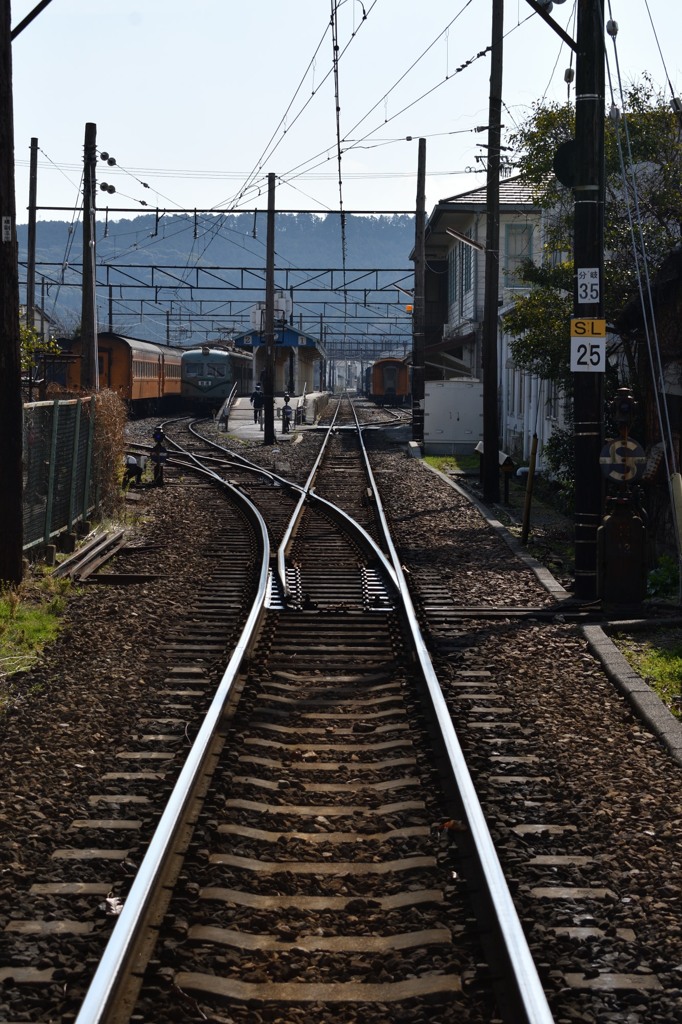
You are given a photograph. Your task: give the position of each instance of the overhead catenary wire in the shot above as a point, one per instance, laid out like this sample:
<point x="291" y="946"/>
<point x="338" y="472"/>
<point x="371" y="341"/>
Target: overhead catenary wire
<point x="215" y="228"/>
<point x="629" y="176"/>
<point x="645" y="291"/>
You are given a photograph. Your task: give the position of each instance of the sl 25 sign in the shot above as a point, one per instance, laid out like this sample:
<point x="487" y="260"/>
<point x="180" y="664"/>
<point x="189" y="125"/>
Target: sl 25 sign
<point x="588" y="345"/>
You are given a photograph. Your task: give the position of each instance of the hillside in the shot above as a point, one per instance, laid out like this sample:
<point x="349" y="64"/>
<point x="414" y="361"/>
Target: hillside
<point x="126" y="250"/>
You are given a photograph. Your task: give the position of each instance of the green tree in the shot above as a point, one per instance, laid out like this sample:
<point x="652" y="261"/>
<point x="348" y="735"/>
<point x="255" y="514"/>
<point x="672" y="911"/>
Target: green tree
<point x="642" y="171"/>
<point x="33" y="347"/>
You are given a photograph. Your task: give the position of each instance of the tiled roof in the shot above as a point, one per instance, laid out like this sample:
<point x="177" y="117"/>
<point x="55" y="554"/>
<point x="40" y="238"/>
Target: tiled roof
<point x="512" y="191"/>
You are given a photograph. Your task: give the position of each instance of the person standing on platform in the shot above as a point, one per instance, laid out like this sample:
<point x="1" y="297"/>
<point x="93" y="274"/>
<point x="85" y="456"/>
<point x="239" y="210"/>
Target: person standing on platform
<point x="258" y="401"/>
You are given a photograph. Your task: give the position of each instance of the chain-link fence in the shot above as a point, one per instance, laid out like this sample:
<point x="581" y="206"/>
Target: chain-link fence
<point x="59" y="489"/>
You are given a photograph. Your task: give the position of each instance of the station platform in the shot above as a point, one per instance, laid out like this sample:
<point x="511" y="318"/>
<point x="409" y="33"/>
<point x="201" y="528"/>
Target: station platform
<point x="240" y="422"/>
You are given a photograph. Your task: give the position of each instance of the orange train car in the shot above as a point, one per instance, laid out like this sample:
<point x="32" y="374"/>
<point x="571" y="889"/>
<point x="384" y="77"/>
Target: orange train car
<point x="390" y="382"/>
<point x="146" y="375"/>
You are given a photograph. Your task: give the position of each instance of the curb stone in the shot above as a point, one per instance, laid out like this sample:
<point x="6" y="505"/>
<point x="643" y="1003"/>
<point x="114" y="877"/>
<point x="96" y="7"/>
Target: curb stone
<point x="647" y="705"/>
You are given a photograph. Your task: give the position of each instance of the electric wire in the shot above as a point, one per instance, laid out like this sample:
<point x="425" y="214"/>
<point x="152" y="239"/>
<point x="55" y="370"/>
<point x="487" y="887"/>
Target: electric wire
<point x="337" y="101"/>
<point x="658" y="45"/>
<point x="216" y="228"/>
<point x="642" y="271"/>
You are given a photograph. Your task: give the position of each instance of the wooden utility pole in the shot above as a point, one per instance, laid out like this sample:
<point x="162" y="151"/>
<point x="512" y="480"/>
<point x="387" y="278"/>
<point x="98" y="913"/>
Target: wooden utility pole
<point x="491" y="430"/>
<point x="588" y="252"/>
<point x="90" y="357"/>
<point x="418" y="310"/>
<point x="269" y="332"/>
<point x="11" y="412"/>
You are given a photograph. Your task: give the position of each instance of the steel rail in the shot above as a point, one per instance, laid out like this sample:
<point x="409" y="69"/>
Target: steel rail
<point x="531" y="1003"/>
<point x="307" y="494"/>
<point x="110" y="977"/>
<point x="291" y="529"/>
<point x="104" y="545"/>
<point x="528" y="1004"/>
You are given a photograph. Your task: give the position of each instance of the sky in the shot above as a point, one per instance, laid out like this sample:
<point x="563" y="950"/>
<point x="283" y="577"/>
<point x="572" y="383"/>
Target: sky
<point x="201" y="100"/>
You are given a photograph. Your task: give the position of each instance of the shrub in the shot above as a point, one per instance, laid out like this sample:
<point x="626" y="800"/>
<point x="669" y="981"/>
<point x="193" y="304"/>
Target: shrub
<point x="663" y="581"/>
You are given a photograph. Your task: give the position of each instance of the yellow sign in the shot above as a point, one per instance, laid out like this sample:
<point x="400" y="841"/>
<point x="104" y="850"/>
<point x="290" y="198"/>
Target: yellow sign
<point x="585" y="328"/>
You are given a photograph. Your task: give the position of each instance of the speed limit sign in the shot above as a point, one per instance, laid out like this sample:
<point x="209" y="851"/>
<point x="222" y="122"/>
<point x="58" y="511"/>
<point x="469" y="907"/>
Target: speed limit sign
<point x="588" y="345"/>
<point x="588" y="355"/>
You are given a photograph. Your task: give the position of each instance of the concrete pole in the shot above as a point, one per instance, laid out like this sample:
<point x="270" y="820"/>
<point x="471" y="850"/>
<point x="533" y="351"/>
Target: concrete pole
<point x="31" y="255"/>
<point x="491" y="429"/>
<point x="90" y="358"/>
<point x="11" y="410"/>
<point x="418" y="311"/>
<point x="269" y="332"/>
<point x="588" y="252"/>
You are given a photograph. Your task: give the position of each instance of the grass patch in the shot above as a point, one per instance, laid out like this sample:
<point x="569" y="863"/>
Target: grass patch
<point x="658" y="661"/>
<point x="30" y="618"/>
<point x="454" y="463"/>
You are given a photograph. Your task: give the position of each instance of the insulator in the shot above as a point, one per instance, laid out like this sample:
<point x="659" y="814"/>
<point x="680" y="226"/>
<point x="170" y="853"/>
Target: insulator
<point x="612" y="28"/>
<point x="569" y="75"/>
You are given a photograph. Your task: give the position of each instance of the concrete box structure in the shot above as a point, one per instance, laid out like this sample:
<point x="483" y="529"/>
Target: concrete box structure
<point x="453" y="416"/>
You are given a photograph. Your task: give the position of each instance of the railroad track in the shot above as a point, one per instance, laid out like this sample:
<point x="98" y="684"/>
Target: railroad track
<point x="322" y="869"/>
<point x="328" y="862"/>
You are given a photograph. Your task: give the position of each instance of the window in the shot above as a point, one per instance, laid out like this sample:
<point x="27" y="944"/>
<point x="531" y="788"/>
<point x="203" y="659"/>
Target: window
<point x="453" y="272"/>
<point x="518" y="247"/>
<point x="467" y="262"/>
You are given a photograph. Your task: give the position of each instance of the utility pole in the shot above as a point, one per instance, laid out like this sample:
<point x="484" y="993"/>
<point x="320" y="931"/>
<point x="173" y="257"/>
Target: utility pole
<point x="491" y="430"/>
<point x="11" y="411"/>
<point x="418" y="311"/>
<point x="269" y="382"/>
<point x="90" y="357"/>
<point x="588" y="252"/>
<point x="31" y="255"/>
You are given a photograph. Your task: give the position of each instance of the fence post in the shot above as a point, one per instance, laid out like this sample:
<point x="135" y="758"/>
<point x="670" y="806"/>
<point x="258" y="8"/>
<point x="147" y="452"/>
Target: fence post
<point x="74" y="465"/>
<point x="52" y="471"/>
<point x="88" y="460"/>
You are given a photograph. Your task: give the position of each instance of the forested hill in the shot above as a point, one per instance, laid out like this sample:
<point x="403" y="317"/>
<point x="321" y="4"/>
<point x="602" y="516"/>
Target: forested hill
<point x="231" y="240"/>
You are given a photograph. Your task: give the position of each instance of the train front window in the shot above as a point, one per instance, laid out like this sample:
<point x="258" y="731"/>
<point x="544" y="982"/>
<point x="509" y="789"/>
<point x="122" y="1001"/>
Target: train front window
<point x="213" y="370"/>
<point x="193" y="369"/>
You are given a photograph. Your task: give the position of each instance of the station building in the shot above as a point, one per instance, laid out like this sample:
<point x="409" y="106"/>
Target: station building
<point x="300" y="359"/>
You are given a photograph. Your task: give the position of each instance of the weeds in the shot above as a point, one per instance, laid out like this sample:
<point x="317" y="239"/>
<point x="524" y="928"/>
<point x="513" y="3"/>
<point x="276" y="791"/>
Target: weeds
<point x="29" y="619"/>
<point x="659" y="662"/>
<point x="663" y="581"/>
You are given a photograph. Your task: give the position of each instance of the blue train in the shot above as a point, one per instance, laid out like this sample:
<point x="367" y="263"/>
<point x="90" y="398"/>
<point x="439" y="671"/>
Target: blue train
<point x="209" y="375"/>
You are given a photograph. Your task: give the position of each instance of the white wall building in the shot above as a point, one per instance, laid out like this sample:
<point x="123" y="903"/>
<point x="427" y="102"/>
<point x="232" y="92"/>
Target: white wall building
<point x="454" y="304"/>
